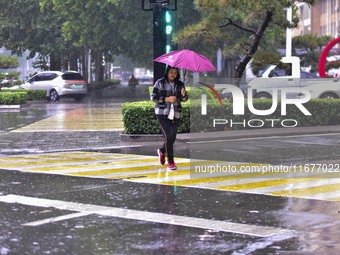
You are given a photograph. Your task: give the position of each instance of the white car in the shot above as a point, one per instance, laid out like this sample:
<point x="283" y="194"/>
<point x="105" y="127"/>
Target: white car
<point x="263" y="87"/>
<point x="58" y="84"/>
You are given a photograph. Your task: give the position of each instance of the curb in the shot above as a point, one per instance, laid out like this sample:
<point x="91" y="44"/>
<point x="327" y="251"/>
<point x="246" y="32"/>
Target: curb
<point x="236" y="134"/>
<point x="140" y="137"/>
<point x="14" y="106"/>
<point x="258" y="133"/>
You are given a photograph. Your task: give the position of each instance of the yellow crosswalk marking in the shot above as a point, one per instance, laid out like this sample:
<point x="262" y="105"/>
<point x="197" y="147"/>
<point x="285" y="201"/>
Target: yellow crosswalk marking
<point x="308" y="191"/>
<point x="213" y="179"/>
<point x="146" y="169"/>
<point x="104" y="119"/>
<point x="57" y="161"/>
<point x="267" y="183"/>
<point x="121" y="170"/>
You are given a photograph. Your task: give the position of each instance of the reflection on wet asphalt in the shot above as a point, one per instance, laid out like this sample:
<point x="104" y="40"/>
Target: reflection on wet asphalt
<point x="315" y="224"/>
<point x="95" y="234"/>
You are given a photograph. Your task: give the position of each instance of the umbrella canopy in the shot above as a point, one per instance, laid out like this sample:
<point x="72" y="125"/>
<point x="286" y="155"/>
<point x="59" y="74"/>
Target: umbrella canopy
<point x="187" y="59"/>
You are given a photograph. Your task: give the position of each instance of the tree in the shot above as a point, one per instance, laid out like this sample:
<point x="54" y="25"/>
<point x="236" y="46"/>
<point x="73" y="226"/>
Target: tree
<point x="309" y="47"/>
<point x="240" y="26"/>
<point x="63" y="32"/>
<point x="135" y="28"/>
<point x="7" y="62"/>
<point x="23" y="26"/>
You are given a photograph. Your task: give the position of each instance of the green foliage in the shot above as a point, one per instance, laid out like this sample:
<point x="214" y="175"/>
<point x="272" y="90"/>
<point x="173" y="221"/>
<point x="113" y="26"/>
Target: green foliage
<point x="32" y="95"/>
<point x="29" y="28"/>
<point x="7" y="62"/>
<point x="262" y="58"/>
<point x="312" y="46"/>
<point x="9" y="98"/>
<point x="139" y="117"/>
<point x="36" y="95"/>
<point x="239" y="27"/>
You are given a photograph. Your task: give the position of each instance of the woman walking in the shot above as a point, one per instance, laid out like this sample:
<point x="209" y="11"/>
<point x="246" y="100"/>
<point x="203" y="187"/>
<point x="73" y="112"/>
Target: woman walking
<point x="168" y="93"/>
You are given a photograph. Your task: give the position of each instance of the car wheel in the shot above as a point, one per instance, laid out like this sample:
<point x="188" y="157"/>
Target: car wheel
<point x="329" y="95"/>
<point x="263" y="95"/>
<point x="54" y="95"/>
<point x="79" y="98"/>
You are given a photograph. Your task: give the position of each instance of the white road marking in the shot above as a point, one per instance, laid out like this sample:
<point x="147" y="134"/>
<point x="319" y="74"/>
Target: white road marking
<point x="56" y="219"/>
<point x="238" y="228"/>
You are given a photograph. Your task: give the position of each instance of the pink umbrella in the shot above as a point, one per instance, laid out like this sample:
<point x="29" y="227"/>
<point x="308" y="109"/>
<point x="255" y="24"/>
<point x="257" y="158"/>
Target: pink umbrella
<point x="187" y="59"/>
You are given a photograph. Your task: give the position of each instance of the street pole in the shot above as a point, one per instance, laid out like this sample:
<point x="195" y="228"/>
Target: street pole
<point x="159" y="40"/>
<point x="289" y="32"/>
<point x="159" y="8"/>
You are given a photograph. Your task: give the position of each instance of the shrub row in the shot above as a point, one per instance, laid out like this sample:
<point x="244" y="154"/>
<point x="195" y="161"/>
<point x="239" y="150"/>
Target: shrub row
<point x="14" y="96"/>
<point x="139" y="117"/>
<point x="9" y="98"/>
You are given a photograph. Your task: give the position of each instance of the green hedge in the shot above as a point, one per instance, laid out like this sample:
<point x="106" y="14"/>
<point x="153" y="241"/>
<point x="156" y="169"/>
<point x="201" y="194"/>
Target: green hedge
<point x="36" y="95"/>
<point x="9" y="98"/>
<point x="32" y="95"/>
<point x="139" y="117"/>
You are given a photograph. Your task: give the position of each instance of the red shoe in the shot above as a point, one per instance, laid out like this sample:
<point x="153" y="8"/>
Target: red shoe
<point x="172" y="166"/>
<point x="161" y="157"/>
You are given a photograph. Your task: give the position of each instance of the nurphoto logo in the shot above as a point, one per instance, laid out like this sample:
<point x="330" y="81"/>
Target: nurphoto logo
<point x="239" y="106"/>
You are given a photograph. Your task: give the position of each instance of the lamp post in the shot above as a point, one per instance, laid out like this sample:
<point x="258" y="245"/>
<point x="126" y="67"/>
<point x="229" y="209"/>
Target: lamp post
<point x="159" y="9"/>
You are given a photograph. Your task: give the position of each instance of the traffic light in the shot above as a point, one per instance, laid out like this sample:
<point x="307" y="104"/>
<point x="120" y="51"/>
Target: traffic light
<point x="168" y="30"/>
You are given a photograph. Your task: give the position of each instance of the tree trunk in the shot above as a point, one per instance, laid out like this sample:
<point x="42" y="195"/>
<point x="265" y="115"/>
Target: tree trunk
<point x="73" y="59"/>
<point x="55" y="63"/>
<point x="83" y="60"/>
<point x="99" y="69"/>
<point x="251" y="51"/>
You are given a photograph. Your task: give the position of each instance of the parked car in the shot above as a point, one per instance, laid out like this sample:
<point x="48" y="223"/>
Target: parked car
<point x="272" y="71"/>
<point x="274" y="80"/>
<point x="58" y="84"/>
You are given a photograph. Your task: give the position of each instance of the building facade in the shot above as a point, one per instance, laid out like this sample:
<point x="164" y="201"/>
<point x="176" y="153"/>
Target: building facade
<point x="321" y="19"/>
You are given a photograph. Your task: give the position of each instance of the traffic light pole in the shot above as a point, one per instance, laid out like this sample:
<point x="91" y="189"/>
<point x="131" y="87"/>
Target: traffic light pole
<point x="159" y="8"/>
<point x="159" y="41"/>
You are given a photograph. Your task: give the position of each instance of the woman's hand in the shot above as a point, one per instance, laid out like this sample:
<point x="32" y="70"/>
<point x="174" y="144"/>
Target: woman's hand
<point x="170" y="99"/>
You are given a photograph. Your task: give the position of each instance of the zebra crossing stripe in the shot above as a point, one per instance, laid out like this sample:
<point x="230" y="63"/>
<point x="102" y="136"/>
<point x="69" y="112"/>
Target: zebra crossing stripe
<point x="52" y="162"/>
<point x="146" y="169"/>
<point x="197" y="181"/>
<point x="79" y="119"/>
<point x="263" y="183"/>
<point x="309" y="190"/>
<point x="129" y="170"/>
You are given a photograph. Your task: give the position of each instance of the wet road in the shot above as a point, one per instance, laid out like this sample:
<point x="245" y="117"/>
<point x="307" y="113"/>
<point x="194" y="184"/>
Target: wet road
<point x="67" y="215"/>
<point x="49" y="205"/>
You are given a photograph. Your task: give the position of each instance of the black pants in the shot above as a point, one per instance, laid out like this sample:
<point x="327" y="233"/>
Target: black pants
<point x="169" y="131"/>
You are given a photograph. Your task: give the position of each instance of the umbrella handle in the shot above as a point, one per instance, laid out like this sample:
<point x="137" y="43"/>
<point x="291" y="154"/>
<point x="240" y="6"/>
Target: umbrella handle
<point x="185" y="70"/>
